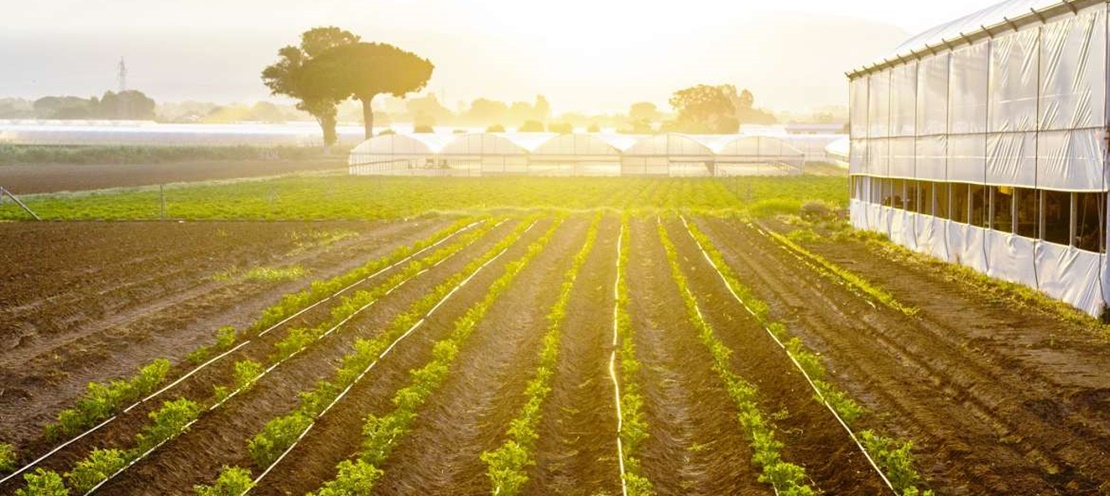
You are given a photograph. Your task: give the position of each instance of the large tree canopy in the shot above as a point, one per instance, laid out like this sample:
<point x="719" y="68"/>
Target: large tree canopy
<point x="705" y="109"/>
<point x="364" y="71"/>
<point x="287" y="75"/>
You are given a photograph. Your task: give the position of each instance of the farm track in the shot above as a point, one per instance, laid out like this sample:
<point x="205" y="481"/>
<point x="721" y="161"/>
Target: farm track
<point x="469" y="413"/>
<point x="812" y="436"/>
<point x="337" y="435"/>
<point x="695" y="444"/>
<point x="48" y="374"/>
<point x="227" y="429"/>
<point x="576" y="450"/>
<point x="981" y="426"/>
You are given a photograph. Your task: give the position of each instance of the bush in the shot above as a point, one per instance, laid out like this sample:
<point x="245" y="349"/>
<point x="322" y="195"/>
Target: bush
<point x="818" y="209"/>
<point x="233" y="481"/>
<point x="7" y="458"/>
<point x="43" y="483"/>
<point x="96" y="467"/>
<point x="560" y="127"/>
<point x="355" y="478"/>
<point x="496" y="128"/>
<point x="531" y="127"/>
<point x="246" y="372"/>
<point x="776" y="206"/>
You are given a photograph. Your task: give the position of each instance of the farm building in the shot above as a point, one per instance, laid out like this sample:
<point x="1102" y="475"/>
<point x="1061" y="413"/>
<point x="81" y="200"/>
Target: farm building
<point x="983" y="142"/>
<point x="593" y="154"/>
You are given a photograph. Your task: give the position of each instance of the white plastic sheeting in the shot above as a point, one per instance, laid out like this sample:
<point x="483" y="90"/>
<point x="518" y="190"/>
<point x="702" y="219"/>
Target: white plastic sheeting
<point x="1066" y="273"/>
<point x="1007" y="96"/>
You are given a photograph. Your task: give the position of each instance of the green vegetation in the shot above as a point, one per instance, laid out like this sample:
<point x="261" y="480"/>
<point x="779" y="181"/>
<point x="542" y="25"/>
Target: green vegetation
<point x="96" y="467"/>
<point x="8" y="458"/>
<point x="233" y="481"/>
<point x="824" y="267"/>
<point x="892" y="456"/>
<point x="168" y="422"/>
<point x="359" y="197"/>
<point x="43" y="482"/>
<point x="381" y="434"/>
<point x="144" y="154"/>
<point x="264" y="274"/>
<point x="787" y="478"/>
<point x="278" y="435"/>
<point x="506" y="466"/>
<point x="225" y="339"/>
<point x="101" y="401"/>
<point x="633" y="424"/>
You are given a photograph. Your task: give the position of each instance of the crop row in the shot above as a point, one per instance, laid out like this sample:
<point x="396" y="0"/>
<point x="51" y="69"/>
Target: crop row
<point x="632" y="428"/>
<point x="787" y="478"/>
<point x="894" y="457"/>
<point x="507" y="465"/>
<point x="280" y="435"/>
<point x="382" y="433"/>
<point x="100" y="464"/>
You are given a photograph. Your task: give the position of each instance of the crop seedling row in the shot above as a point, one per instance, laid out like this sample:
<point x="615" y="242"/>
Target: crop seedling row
<point x="381" y="434"/>
<point x="507" y="465"/>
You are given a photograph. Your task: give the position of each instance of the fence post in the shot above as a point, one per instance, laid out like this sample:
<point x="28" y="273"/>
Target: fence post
<point x="162" y="202"/>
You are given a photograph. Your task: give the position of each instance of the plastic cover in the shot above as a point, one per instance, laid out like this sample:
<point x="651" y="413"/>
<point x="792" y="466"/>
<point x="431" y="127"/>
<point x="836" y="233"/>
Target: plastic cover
<point x="878" y="105"/>
<point x="967" y="104"/>
<point x="902" y="153"/>
<point x="1013" y="81"/>
<point x="967" y="158"/>
<point x="932" y="95"/>
<point x="1073" y="71"/>
<point x="932" y="158"/>
<point x="1012" y="159"/>
<point x="857" y="102"/>
<point x="903" y="100"/>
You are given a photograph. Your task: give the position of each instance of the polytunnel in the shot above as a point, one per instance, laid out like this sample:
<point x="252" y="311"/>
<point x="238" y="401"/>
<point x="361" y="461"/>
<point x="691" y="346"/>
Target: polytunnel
<point x="983" y="142"/>
<point x="671" y="154"/>
<point x="582" y="154"/>
<point x="755" y="155"/>
<point x="397" y="154"/>
<point x="492" y="153"/>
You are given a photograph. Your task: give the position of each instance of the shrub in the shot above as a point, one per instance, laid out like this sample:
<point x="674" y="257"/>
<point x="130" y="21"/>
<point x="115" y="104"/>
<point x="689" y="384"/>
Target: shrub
<point x="246" y="372"/>
<point x="495" y="128"/>
<point x="355" y="478"/>
<point x="96" y="467"/>
<point x="818" y="209"/>
<point x="531" y="127"/>
<point x="233" y="481"/>
<point x="772" y="207"/>
<point x="895" y="458"/>
<point x="43" y="483"/>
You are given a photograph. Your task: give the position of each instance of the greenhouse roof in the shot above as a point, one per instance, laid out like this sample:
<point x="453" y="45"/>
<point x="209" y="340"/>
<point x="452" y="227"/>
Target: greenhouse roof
<point x="1009" y="15"/>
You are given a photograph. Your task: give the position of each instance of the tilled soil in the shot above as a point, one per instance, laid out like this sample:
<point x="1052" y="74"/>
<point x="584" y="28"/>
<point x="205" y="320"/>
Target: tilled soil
<point x="221" y="436"/>
<point x="143" y="291"/>
<point x="812" y="436"/>
<point x="577" y="452"/>
<point x="988" y="410"/>
<point x="695" y="443"/>
<point x="338" y="435"/>
<point x="484" y="392"/>
<point x="51" y="178"/>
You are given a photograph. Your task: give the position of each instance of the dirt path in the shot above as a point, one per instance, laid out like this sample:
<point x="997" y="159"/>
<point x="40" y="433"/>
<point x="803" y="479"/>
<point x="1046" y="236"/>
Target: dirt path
<point x="470" y="413"/>
<point x="813" y="438"/>
<point x="981" y="425"/>
<point x="576" y="451"/>
<point x="220" y="437"/>
<point x="337" y="436"/>
<point x="177" y="313"/>
<point x="695" y="445"/>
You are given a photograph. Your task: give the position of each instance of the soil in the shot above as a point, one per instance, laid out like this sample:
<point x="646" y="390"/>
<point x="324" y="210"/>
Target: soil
<point x="111" y="297"/>
<point x="990" y="406"/>
<point x="576" y="453"/>
<point x="484" y="391"/>
<point x="695" y="444"/>
<point x="52" y="178"/>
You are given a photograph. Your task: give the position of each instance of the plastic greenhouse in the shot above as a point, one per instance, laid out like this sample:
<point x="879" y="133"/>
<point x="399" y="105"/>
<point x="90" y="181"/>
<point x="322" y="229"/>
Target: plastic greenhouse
<point x="983" y="142"/>
<point x="575" y="155"/>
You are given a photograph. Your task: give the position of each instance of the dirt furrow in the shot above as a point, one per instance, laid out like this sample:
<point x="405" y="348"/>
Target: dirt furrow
<point x="470" y="413"/>
<point x="576" y="451"/>
<point x="695" y="444"/>
<point x="813" y="438"/>
<point x="958" y="408"/>
<point x="220" y="437"/>
<point x="338" y="435"/>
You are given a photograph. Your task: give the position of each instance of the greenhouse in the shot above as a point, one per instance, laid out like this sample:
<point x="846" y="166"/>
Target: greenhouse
<point x="983" y="142"/>
<point x="584" y="154"/>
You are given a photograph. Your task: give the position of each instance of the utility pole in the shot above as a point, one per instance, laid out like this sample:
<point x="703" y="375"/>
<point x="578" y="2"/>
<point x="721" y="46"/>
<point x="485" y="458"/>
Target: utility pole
<point x="123" y="109"/>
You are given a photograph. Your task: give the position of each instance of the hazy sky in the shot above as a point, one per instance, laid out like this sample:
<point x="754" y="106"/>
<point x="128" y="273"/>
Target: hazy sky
<point x="582" y="54"/>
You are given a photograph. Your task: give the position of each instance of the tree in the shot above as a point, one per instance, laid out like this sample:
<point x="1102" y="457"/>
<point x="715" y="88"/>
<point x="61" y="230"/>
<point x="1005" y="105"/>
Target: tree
<point x="705" y="109"/>
<point x="531" y="127"/>
<point x="287" y="75"/>
<point x="363" y="71"/>
<point x="485" y="111"/>
<point x="643" y="111"/>
<point x="560" y="127"/>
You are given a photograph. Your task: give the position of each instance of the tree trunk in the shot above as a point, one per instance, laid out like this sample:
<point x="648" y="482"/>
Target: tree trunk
<point x="368" y="117"/>
<point x="327" y="124"/>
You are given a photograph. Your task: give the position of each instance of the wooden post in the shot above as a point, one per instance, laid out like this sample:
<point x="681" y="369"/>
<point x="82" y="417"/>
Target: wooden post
<point x="162" y="202"/>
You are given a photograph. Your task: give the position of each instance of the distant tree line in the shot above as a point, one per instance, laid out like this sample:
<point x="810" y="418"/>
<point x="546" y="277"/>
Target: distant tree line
<point x="128" y="105"/>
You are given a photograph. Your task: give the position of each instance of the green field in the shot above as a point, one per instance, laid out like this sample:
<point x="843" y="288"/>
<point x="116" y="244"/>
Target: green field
<point x="352" y="197"/>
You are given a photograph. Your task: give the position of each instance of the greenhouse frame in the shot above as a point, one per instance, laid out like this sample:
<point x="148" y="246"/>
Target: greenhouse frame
<point x="983" y="142"/>
<point x="581" y="154"/>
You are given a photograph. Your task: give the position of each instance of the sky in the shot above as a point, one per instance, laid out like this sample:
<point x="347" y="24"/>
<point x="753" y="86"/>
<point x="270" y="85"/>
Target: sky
<point x="584" y="55"/>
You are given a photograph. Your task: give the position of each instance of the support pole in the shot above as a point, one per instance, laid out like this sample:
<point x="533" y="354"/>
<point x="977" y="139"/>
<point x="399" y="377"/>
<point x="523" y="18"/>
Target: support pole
<point x="18" y="202"/>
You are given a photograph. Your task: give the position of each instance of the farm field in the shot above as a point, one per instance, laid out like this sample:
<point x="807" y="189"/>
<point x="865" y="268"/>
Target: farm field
<point x="543" y="336"/>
